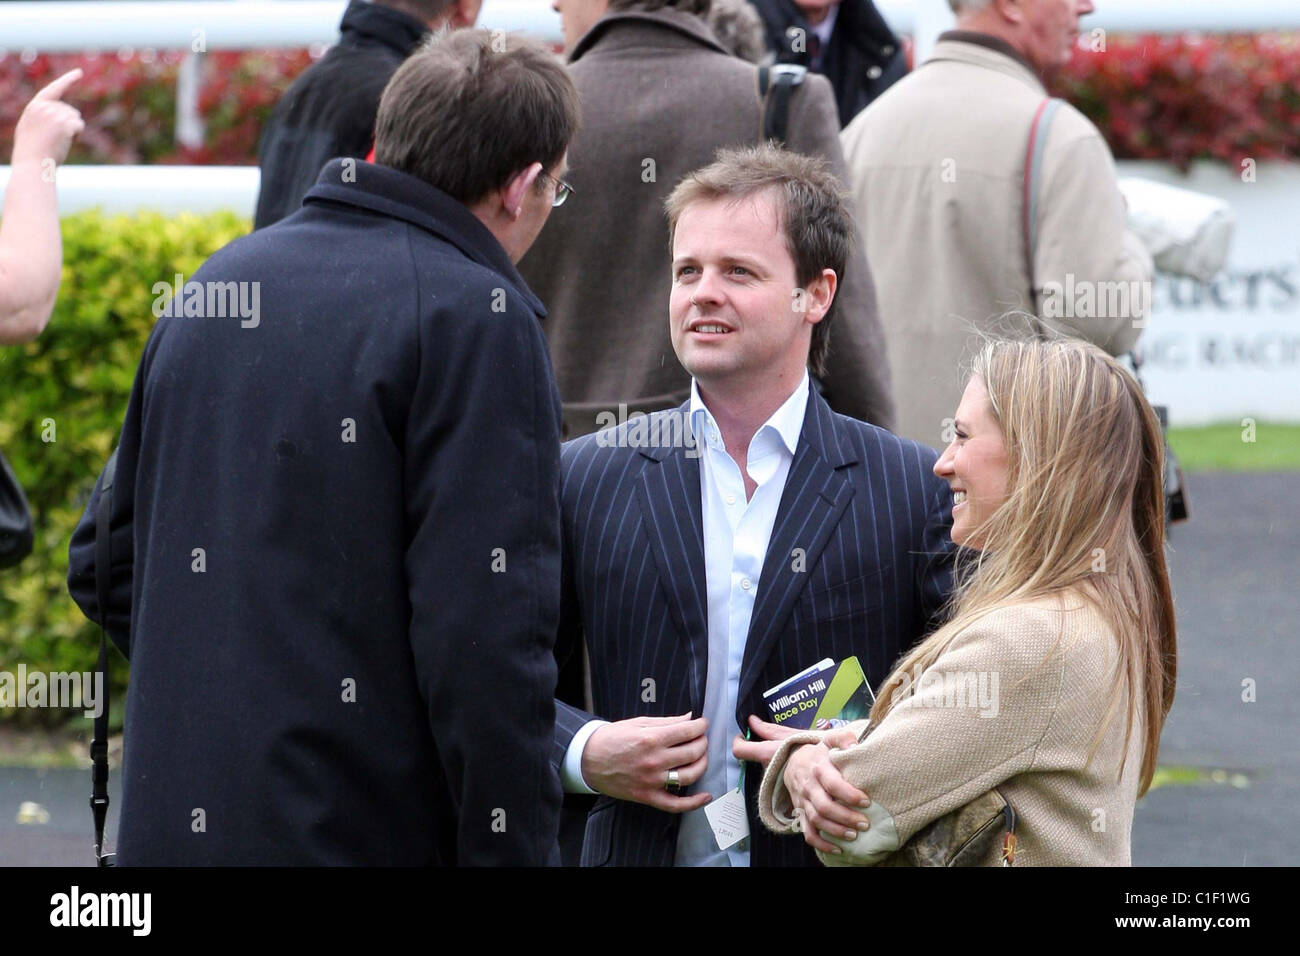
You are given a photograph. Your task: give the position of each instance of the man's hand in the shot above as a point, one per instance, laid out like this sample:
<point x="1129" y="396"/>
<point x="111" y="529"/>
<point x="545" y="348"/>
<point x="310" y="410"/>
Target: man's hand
<point x="47" y="126"/>
<point x="822" y="798"/>
<point x="762" y="750"/>
<point x="630" y="760"/>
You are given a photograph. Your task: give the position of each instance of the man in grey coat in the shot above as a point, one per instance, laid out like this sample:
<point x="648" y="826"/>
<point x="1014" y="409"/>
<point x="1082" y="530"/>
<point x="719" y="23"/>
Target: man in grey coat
<point x="659" y="97"/>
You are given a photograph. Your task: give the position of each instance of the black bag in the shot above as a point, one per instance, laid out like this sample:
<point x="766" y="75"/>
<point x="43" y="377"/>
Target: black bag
<point x="15" y="519"/>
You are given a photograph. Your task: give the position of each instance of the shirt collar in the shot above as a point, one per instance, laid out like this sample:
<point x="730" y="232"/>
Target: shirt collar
<point x="786" y="421"/>
<point x="824" y="29"/>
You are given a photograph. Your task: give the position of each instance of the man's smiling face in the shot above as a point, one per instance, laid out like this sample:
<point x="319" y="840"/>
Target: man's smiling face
<point x="736" y="320"/>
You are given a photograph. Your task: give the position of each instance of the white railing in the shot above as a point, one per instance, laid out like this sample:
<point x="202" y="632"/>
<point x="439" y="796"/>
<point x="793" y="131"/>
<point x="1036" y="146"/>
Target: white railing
<point x="220" y="24"/>
<point x="169" y="189"/>
<point x="246" y="24"/>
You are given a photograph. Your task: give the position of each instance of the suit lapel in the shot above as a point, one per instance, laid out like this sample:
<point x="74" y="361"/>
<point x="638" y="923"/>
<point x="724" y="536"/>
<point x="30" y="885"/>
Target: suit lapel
<point x="669" y="494"/>
<point x="815" y="497"/>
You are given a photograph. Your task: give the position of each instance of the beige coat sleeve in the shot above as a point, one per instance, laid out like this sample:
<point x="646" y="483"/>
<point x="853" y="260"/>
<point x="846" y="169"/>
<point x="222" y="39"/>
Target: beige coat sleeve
<point x="977" y="718"/>
<point x="857" y="379"/>
<point x="1093" y="276"/>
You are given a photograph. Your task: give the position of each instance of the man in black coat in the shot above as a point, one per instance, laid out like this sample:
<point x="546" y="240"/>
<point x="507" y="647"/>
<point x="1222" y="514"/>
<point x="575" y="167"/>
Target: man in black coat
<point x="329" y="110"/>
<point x="335" y="528"/>
<point x="847" y="41"/>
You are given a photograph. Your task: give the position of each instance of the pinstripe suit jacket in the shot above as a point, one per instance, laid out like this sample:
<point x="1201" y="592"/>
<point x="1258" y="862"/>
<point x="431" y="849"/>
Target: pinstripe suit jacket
<point x="859" y="563"/>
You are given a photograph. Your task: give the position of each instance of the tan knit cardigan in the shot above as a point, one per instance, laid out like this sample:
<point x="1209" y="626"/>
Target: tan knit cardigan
<point x="1015" y="702"/>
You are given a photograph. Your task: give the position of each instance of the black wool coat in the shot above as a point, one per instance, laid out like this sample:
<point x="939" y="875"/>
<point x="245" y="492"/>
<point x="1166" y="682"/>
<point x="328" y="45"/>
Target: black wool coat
<point x="335" y="548"/>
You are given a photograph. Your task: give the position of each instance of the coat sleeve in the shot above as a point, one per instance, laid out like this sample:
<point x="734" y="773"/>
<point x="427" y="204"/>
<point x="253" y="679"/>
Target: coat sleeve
<point x="1084" y="247"/>
<point x="570" y="695"/>
<point x="483" y="566"/>
<point x="857" y="381"/>
<point x="954" y="740"/>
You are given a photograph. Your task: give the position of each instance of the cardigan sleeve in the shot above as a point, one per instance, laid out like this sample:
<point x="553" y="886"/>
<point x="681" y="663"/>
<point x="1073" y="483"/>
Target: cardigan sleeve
<point x="977" y="717"/>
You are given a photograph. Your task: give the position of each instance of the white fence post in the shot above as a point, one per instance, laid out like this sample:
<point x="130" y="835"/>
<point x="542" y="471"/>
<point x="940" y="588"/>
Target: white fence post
<point x="189" y="80"/>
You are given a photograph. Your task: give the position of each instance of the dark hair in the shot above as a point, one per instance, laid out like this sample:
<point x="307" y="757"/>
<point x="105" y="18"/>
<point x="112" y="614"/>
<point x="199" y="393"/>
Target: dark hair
<point x="698" y="7"/>
<point x="814" y="214"/>
<point x="470" y="109"/>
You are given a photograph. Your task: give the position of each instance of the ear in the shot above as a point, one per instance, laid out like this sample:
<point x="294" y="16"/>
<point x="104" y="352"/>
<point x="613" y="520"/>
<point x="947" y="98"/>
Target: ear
<point x="820" y="293"/>
<point x="1012" y="11"/>
<point x="513" y="192"/>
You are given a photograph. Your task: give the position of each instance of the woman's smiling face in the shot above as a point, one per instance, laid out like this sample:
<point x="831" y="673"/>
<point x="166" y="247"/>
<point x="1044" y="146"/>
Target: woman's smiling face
<point x="974" y="465"/>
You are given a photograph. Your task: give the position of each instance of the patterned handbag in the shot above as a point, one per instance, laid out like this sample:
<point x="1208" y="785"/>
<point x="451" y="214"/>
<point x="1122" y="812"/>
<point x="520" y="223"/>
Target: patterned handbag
<point x="982" y="833"/>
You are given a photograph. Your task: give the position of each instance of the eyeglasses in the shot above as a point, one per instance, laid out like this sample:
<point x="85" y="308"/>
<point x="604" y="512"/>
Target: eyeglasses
<point x="562" y="190"/>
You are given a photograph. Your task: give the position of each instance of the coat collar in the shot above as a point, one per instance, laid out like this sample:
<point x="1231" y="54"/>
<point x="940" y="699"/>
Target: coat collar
<point x="668" y="18"/>
<point x="986" y="51"/>
<point x="395" y="194"/>
<point x="392" y="28"/>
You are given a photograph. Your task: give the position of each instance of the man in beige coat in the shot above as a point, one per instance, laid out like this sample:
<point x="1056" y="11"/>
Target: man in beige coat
<point x="938" y="167"/>
<point x="659" y="97"/>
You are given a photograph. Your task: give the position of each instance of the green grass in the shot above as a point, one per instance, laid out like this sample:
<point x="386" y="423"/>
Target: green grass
<point x="1223" y="447"/>
<point x="1175" y="776"/>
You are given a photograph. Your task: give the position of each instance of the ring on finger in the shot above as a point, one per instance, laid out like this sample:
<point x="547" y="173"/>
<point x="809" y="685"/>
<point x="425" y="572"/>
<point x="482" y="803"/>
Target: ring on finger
<point x="674" y="782"/>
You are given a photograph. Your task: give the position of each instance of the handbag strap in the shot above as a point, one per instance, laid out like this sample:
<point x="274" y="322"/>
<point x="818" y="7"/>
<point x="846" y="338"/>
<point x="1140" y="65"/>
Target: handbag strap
<point x="1009" y="819"/>
<point x="1032" y="185"/>
<point x="103" y="578"/>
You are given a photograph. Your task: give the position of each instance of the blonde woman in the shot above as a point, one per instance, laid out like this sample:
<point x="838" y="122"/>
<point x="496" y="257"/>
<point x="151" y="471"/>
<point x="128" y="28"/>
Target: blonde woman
<point x="1052" y="679"/>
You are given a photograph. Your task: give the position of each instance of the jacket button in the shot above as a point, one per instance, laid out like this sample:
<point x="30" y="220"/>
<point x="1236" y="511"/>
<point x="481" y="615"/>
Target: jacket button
<point x="887" y="49"/>
<point x="874" y="73"/>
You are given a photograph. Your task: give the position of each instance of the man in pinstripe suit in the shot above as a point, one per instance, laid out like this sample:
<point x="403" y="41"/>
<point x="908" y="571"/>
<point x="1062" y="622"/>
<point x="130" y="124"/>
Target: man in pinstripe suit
<point x="717" y="549"/>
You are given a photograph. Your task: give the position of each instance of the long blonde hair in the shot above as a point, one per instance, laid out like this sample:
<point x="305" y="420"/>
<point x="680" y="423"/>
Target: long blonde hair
<point x="1085" y="478"/>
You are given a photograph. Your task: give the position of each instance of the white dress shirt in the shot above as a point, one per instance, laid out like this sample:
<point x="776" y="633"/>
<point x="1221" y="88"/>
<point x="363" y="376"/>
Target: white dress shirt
<point x="736" y="534"/>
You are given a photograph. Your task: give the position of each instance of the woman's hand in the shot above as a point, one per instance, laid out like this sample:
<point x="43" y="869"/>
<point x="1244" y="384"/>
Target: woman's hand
<point x="822" y="798"/>
<point x="762" y="750"/>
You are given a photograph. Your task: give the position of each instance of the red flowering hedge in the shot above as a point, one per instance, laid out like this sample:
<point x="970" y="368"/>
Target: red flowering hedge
<point x="129" y="102"/>
<point x="1177" y="98"/>
<point x="1190" y="97"/>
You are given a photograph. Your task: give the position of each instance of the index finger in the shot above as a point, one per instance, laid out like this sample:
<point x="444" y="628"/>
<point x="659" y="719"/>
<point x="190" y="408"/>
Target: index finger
<point x="57" y="88"/>
<point x="770" y="731"/>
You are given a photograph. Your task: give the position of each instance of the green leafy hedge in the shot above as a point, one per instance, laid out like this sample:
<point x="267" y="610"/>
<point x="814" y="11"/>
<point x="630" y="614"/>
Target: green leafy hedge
<point x="62" y="398"/>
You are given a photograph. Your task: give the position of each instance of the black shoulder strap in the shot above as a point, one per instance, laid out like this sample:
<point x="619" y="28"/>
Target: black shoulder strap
<point x="782" y="78"/>
<point x="103" y="580"/>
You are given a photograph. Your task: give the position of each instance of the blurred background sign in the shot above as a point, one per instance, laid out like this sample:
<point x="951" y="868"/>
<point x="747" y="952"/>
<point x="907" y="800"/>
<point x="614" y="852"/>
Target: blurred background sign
<point x="1230" y="348"/>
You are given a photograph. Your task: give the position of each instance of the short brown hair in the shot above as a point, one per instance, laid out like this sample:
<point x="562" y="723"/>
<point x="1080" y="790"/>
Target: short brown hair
<point x="469" y="109"/>
<point x="815" y="213"/>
